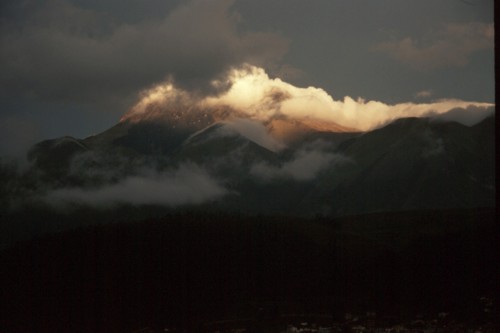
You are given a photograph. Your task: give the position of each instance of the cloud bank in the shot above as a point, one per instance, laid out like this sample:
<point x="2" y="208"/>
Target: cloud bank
<point x="305" y="165"/>
<point x="187" y="185"/>
<point x="252" y="94"/>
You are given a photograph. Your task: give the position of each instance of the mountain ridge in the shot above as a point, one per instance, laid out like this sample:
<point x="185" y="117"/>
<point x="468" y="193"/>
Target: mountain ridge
<point x="410" y="163"/>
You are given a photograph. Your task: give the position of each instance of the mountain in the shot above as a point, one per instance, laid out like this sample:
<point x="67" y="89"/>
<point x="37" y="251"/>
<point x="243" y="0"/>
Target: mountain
<point x="233" y="218"/>
<point x="413" y="164"/>
<point x="409" y="164"/>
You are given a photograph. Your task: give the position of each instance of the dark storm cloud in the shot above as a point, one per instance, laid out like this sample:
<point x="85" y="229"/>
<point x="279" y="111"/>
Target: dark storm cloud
<point x="17" y="134"/>
<point x="332" y="43"/>
<point x="452" y="46"/>
<point x="59" y="50"/>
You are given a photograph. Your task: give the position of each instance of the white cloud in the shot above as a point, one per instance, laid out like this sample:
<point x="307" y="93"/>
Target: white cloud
<point x="305" y="165"/>
<point x="469" y="115"/>
<point x="253" y="131"/>
<point x="187" y="185"/>
<point x="254" y="95"/>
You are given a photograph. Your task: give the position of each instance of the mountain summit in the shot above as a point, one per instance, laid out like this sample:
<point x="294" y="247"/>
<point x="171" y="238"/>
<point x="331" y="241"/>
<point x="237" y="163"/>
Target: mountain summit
<point x="261" y="145"/>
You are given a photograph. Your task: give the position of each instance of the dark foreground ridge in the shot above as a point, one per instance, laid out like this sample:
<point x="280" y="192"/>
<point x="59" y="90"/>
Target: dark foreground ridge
<point x="196" y="272"/>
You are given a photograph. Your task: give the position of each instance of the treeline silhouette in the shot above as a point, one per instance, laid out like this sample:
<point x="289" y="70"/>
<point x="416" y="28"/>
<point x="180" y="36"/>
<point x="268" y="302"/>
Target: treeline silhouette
<point x="184" y="269"/>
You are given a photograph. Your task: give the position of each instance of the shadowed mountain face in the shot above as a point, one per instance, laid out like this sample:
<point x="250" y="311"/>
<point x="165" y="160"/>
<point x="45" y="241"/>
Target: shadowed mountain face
<point x="412" y="163"/>
<point x="148" y="168"/>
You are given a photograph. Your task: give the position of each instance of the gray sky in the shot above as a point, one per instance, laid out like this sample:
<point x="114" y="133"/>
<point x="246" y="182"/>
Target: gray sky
<point x="73" y="67"/>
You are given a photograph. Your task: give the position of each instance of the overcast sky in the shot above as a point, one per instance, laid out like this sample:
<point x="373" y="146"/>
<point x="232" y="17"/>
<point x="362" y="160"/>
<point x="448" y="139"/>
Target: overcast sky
<point x="73" y="67"/>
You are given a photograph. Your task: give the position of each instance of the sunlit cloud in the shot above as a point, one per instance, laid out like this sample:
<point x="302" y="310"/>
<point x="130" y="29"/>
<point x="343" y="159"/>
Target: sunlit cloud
<point x="254" y="95"/>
